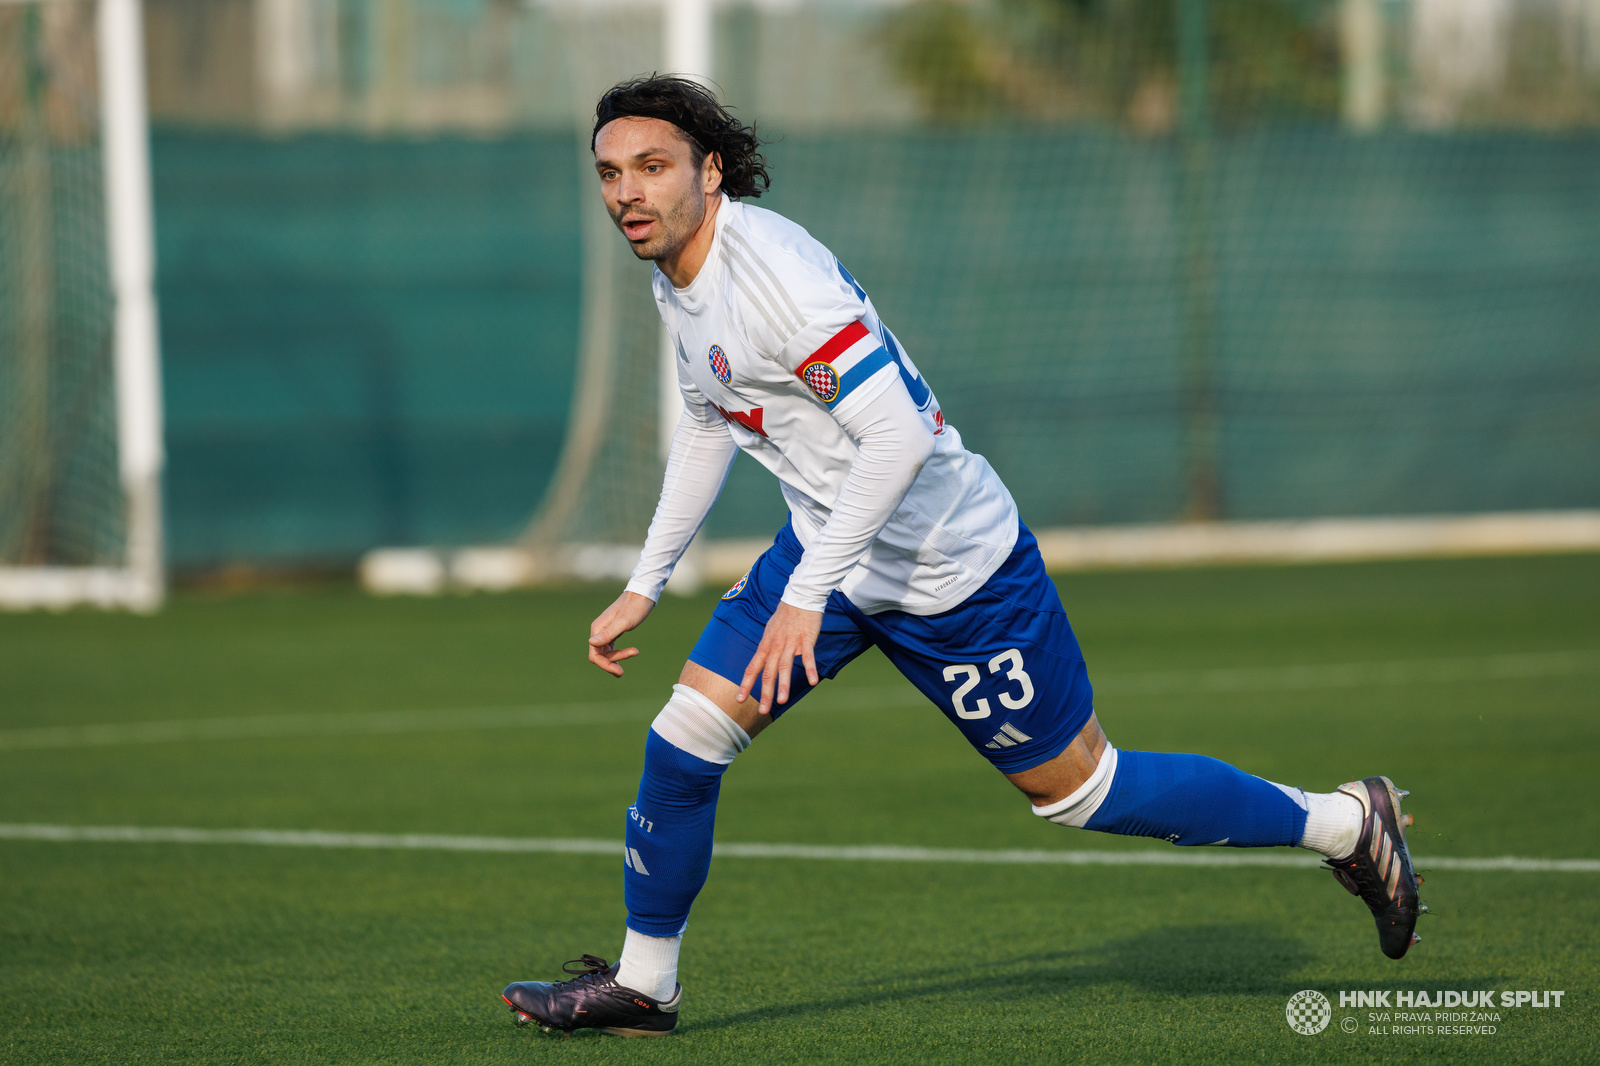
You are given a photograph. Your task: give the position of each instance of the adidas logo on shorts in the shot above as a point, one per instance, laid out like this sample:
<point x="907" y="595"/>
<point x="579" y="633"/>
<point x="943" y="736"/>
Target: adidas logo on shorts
<point x="1008" y="737"/>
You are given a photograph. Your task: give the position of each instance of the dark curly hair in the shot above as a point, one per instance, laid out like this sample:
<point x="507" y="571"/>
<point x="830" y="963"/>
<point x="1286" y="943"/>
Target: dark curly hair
<point x="708" y="125"/>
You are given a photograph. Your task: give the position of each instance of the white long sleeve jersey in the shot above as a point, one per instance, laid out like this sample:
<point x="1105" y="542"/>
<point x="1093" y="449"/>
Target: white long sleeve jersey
<point x="780" y="353"/>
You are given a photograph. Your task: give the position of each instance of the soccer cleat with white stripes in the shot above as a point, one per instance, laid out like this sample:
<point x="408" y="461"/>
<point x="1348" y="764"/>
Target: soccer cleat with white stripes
<point x="592" y="1000"/>
<point x="1379" y="871"/>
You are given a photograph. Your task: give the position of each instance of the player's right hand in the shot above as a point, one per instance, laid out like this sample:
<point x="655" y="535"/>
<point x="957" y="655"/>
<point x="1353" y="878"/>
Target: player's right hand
<point x="627" y="613"/>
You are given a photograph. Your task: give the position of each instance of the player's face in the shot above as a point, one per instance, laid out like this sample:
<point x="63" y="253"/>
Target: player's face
<point x="653" y="190"/>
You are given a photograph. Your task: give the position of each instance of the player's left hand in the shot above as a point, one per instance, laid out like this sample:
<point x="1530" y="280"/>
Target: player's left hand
<point x="791" y="633"/>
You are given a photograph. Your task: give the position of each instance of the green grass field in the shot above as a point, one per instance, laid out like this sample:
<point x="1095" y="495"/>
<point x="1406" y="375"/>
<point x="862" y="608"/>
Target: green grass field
<point x="141" y="952"/>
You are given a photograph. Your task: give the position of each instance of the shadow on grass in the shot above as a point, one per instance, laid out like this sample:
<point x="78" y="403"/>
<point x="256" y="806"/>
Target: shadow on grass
<point x="1233" y="959"/>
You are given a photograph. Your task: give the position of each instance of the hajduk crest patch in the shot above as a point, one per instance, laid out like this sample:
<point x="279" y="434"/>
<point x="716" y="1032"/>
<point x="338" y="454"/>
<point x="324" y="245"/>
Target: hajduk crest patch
<point x="719" y="365"/>
<point x="823" y="380"/>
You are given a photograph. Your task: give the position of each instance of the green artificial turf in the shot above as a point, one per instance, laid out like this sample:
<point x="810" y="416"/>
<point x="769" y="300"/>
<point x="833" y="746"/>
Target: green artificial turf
<point x="113" y="952"/>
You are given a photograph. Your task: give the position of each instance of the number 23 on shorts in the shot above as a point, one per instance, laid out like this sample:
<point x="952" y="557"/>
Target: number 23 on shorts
<point x="1009" y="660"/>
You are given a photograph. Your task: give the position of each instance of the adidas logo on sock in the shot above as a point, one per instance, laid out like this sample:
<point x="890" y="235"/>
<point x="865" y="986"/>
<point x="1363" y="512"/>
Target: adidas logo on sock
<point x="1008" y="737"/>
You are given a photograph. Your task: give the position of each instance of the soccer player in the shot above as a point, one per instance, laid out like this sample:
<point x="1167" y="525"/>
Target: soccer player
<point x="898" y="537"/>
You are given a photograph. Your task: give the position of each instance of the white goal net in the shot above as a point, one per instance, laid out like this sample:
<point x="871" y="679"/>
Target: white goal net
<point x="80" y="411"/>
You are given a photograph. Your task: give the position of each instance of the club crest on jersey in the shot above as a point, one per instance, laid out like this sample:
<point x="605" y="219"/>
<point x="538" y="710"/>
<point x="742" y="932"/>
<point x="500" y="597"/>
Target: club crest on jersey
<point x="822" y="380"/>
<point x="738" y="587"/>
<point x="719" y="365"/>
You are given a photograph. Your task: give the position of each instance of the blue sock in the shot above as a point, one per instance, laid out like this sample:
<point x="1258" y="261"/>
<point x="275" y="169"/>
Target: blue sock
<point x="1193" y="799"/>
<point x="669" y="837"/>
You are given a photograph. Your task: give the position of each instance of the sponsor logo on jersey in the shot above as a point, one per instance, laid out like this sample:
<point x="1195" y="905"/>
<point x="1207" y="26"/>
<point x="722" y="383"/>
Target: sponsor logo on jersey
<point x="719" y="365"/>
<point x="738" y="587"/>
<point x="750" y="419"/>
<point x="824" y="381"/>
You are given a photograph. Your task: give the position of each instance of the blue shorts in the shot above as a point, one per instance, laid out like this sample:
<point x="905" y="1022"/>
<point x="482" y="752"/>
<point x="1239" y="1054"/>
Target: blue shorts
<point x="1003" y="666"/>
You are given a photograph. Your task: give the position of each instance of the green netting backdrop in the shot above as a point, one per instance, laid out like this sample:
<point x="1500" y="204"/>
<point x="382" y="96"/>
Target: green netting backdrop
<point x="364" y="341"/>
<point x="370" y="342"/>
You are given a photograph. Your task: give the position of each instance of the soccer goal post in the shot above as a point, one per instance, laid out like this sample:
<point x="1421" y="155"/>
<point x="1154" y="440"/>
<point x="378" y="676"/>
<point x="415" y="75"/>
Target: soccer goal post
<point x="80" y="387"/>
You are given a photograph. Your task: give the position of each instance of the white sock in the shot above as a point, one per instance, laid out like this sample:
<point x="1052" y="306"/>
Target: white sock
<point x="649" y="964"/>
<point x="1333" y="823"/>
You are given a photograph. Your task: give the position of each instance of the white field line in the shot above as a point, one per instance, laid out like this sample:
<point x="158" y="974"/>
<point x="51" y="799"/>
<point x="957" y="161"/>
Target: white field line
<point x="869" y="853"/>
<point x="1224" y="680"/>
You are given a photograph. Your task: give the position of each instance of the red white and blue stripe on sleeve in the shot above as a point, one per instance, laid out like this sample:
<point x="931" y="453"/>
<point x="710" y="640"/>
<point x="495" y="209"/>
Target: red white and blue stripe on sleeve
<point x="844" y="362"/>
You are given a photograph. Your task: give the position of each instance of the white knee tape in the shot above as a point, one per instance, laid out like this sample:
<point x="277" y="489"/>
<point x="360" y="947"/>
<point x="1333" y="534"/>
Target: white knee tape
<point x="692" y="722"/>
<point x="1079" y="807"/>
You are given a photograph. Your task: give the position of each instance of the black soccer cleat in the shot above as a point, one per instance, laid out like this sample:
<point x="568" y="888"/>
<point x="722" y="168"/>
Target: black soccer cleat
<point x="1380" y="869"/>
<point x="592" y="1000"/>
